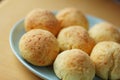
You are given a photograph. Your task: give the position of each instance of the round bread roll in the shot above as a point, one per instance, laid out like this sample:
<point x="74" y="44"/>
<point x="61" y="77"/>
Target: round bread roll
<point x="75" y="37"/>
<point x="42" y="19"/>
<point x="39" y="47"/>
<point x="72" y="16"/>
<point x="74" y="64"/>
<point x="105" y="32"/>
<point x="106" y="56"/>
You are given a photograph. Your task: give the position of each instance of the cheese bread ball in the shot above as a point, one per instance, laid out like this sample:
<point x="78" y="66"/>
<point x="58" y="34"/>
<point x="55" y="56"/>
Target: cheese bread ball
<point x="106" y="56"/>
<point x="75" y="37"/>
<point x="74" y="64"/>
<point x="72" y="16"/>
<point x="42" y="19"/>
<point x="39" y="47"/>
<point x="105" y="32"/>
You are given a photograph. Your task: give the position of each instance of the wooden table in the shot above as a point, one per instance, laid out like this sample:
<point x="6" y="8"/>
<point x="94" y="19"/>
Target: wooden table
<point x="13" y="10"/>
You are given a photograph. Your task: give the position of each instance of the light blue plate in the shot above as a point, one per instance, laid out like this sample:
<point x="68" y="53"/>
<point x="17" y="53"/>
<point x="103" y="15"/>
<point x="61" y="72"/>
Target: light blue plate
<point x="46" y="73"/>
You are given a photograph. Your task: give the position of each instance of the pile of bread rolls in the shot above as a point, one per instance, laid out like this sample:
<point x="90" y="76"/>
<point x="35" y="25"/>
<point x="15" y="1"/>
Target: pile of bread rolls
<point x="65" y="41"/>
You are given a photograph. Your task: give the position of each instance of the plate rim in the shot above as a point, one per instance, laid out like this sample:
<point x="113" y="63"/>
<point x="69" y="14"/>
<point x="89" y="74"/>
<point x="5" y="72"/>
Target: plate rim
<point x="16" y="53"/>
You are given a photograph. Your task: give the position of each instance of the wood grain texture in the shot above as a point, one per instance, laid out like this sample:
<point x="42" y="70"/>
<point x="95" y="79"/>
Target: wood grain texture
<point x="13" y="10"/>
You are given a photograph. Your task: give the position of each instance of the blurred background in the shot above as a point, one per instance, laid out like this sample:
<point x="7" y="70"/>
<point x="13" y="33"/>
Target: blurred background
<point x="106" y="9"/>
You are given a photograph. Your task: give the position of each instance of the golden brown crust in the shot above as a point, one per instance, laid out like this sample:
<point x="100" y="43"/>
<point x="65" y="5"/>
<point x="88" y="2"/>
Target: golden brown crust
<point x="105" y="32"/>
<point x="72" y="17"/>
<point x="74" y="64"/>
<point x="42" y="19"/>
<point x="106" y="56"/>
<point x="39" y="47"/>
<point x="75" y="37"/>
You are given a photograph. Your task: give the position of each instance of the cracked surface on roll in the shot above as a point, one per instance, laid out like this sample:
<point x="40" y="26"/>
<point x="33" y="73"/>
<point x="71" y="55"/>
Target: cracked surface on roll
<point x="42" y="19"/>
<point x="74" y="64"/>
<point x="106" y="56"/>
<point x="75" y="37"/>
<point x="39" y="47"/>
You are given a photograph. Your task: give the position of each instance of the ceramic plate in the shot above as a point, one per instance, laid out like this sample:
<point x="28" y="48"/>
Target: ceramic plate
<point x="46" y="73"/>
